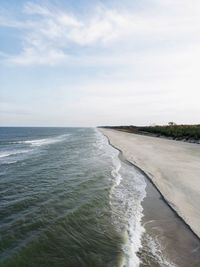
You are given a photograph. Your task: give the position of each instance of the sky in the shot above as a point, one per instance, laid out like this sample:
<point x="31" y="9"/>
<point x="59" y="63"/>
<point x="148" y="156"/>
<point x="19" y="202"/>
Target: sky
<point x="91" y="62"/>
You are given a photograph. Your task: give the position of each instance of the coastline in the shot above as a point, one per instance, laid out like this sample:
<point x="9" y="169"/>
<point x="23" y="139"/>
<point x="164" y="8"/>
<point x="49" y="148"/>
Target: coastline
<point x="158" y="135"/>
<point x="162" y="161"/>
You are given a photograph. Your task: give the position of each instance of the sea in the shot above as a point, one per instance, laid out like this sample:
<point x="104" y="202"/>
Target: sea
<point x="67" y="199"/>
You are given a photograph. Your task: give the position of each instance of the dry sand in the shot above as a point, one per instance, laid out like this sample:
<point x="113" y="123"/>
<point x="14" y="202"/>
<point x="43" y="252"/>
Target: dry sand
<point x="173" y="166"/>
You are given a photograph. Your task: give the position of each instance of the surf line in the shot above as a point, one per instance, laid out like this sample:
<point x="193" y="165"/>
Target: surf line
<point x="121" y="156"/>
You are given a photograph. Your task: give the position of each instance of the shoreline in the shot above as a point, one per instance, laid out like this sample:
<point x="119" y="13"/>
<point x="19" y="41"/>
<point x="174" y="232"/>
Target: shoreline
<point x="151" y="177"/>
<point x="122" y="158"/>
<point x="167" y="239"/>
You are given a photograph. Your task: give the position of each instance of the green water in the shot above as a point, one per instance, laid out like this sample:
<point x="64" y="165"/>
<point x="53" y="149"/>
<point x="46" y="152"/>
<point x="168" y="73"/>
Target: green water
<point x="65" y="200"/>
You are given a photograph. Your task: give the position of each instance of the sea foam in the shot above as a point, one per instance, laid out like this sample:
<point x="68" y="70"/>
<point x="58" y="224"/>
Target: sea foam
<point x="8" y="153"/>
<point x="126" y="194"/>
<point x="45" y="141"/>
<point x="18" y="149"/>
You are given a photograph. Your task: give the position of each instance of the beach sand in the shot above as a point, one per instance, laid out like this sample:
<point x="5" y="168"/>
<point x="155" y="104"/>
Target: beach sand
<point x="172" y="166"/>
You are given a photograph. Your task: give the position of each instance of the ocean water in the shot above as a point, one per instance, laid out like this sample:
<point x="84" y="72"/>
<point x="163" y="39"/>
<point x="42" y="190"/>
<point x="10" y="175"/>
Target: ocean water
<point x="69" y="199"/>
<point x="66" y="199"/>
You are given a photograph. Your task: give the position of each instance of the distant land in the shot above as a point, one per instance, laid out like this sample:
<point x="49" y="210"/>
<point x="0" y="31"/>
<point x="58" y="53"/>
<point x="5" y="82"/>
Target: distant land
<point x="183" y="132"/>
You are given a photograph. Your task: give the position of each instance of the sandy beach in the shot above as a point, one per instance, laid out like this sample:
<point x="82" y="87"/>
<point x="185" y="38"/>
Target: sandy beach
<point x="173" y="167"/>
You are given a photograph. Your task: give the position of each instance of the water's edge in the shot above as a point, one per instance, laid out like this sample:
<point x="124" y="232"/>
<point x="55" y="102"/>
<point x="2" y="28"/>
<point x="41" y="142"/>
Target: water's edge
<point x="123" y="158"/>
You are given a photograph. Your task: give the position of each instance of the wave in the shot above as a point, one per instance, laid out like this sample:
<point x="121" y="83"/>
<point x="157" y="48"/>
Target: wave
<point x="13" y="156"/>
<point x="44" y="141"/>
<point x="126" y="194"/>
<point x="18" y="149"/>
<point x="5" y="154"/>
<point x="133" y="193"/>
<point x="115" y="172"/>
<point x="155" y="248"/>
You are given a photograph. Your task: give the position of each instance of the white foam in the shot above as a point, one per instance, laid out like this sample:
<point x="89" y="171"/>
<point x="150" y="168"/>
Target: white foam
<point x="39" y="142"/>
<point x="135" y="228"/>
<point x="126" y="198"/>
<point x="101" y="140"/>
<point x="8" y="153"/>
<point x="4" y="154"/>
<point x="115" y="172"/>
<point x="44" y="141"/>
<point x="14" y="155"/>
<point x="126" y="194"/>
<point x="156" y="249"/>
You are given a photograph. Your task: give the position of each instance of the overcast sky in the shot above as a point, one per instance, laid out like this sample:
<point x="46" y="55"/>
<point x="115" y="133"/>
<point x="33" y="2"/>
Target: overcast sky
<point x="89" y="62"/>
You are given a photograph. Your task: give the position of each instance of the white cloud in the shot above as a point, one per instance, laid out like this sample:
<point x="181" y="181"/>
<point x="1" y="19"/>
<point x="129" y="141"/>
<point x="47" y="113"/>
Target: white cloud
<point x="31" y="56"/>
<point x="146" y="63"/>
<point x="49" y="31"/>
<point x="32" y="8"/>
<point x="54" y="30"/>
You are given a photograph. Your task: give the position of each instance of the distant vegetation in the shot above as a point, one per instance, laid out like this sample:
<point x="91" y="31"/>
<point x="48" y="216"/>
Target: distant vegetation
<point x="178" y="132"/>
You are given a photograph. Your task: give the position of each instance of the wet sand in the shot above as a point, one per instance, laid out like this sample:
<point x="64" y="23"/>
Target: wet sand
<point x="167" y="240"/>
<point x="173" y="167"/>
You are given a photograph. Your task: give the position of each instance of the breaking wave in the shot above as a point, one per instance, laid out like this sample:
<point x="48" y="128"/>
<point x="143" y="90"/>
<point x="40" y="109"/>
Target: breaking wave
<point x="44" y="141"/>
<point x="126" y="195"/>
<point x="16" y="150"/>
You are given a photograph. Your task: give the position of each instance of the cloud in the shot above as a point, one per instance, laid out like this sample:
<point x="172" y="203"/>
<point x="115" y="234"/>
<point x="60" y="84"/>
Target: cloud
<point x="53" y="36"/>
<point x="33" y="56"/>
<point x="48" y="31"/>
<point x="115" y="66"/>
<point x="36" y="9"/>
<point x="48" y="36"/>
